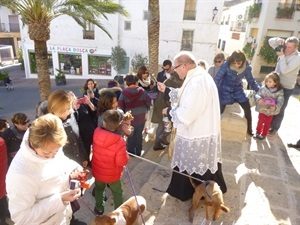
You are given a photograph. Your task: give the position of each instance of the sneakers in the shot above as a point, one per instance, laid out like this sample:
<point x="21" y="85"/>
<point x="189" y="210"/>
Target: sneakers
<point x="97" y="212"/>
<point x="259" y="137"/>
<point x="272" y="131"/>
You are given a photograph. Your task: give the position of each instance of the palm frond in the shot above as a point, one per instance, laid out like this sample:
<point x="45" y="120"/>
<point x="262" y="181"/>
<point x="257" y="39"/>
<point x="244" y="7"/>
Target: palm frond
<point x="82" y="11"/>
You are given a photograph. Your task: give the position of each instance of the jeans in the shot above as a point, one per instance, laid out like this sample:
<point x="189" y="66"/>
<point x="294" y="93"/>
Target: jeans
<point x="117" y="192"/>
<point x="135" y="141"/>
<point x="277" y="119"/>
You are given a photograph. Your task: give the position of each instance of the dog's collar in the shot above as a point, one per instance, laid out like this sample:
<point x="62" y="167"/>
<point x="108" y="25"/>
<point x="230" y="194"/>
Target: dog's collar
<point x="206" y="183"/>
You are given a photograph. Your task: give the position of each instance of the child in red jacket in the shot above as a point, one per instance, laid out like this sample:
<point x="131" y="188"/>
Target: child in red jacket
<point x="109" y="158"/>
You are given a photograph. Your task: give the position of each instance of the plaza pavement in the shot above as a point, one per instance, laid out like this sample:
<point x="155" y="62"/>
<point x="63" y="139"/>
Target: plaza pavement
<point x="262" y="176"/>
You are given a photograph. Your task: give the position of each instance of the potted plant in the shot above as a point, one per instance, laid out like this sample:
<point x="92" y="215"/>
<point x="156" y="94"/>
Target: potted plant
<point x="285" y="12"/>
<point x="254" y="11"/>
<point x="267" y="53"/>
<point x="60" y="78"/>
<point x="3" y="76"/>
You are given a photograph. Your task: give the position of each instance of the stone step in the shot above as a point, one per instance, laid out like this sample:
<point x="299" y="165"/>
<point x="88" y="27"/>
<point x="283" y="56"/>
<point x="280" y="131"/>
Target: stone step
<point x="165" y="209"/>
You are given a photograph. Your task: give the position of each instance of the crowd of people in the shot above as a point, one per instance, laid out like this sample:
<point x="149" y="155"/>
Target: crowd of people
<point x="98" y="131"/>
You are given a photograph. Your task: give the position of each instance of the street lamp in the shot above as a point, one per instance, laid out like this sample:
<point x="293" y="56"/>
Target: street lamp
<point x="215" y="11"/>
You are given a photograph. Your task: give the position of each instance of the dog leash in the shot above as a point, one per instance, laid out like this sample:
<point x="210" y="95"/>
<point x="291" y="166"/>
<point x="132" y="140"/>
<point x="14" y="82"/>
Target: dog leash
<point x="81" y="200"/>
<point x="134" y="193"/>
<point x="165" y="168"/>
<point x="132" y="187"/>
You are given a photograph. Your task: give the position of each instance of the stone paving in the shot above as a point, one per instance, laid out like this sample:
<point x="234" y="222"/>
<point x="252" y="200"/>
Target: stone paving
<point x="262" y="176"/>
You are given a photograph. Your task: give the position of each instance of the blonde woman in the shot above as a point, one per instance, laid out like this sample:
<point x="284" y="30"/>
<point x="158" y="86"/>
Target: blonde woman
<point x="37" y="181"/>
<point x="60" y="104"/>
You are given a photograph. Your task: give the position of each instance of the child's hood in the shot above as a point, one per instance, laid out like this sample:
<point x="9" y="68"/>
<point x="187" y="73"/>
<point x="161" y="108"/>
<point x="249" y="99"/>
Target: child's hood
<point x="105" y="138"/>
<point x="133" y="93"/>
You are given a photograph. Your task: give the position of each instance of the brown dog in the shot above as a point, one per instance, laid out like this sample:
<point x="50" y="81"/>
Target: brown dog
<point x="126" y="214"/>
<point x="213" y="195"/>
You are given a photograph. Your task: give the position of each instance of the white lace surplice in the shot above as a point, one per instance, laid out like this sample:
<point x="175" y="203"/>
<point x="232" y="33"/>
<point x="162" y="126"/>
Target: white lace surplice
<point x="197" y="145"/>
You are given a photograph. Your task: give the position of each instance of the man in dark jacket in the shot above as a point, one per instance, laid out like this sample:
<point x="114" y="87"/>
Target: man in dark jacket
<point x="165" y="73"/>
<point x="160" y="103"/>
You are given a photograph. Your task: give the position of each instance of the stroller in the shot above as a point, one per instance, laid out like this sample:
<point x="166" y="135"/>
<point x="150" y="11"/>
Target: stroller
<point x="8" y="83"/>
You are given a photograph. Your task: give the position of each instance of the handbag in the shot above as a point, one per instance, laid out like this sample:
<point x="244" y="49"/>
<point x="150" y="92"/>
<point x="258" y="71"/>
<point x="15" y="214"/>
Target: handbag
<point x="250" y="94"/>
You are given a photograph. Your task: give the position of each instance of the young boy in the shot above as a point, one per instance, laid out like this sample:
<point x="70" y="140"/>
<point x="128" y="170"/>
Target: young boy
<point x="109" y="158"/>
<point x="135" y="99"/>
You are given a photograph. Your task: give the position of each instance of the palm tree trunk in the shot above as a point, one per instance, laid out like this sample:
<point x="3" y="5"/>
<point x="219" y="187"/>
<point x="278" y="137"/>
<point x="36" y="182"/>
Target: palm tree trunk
<point x="41" y="56"/>
<point x="153" y="35"/>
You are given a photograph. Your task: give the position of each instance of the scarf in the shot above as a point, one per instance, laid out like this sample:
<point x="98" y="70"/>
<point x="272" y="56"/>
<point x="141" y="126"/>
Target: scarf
<point x="239" y="70"/>
<point x="145" y="83"/>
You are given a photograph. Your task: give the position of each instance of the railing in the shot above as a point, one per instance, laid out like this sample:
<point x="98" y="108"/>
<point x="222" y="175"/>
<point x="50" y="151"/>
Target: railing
<point x="285" y="11"/>
<point x="12" y="27"/>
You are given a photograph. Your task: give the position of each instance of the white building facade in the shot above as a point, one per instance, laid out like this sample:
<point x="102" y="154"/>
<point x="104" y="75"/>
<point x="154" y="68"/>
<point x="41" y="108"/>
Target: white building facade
<point x="277" y="18"/>
<point x="184" y="25"/>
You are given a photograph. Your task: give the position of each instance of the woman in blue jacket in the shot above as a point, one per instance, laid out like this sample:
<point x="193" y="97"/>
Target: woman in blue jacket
<point x="230" y="85"/>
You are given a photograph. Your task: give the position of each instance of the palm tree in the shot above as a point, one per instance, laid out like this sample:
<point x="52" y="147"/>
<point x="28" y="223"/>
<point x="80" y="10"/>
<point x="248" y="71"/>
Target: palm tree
<point x="38" y="14"/>
<point x="153" y="35"/>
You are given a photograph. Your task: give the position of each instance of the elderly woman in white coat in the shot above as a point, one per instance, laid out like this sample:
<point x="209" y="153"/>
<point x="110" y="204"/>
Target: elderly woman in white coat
<point x="37" y="182"/>
<point x="195" y="113"/>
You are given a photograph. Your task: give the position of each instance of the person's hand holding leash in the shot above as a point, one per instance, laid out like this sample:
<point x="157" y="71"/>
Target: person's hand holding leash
<point x="165" y="111"/>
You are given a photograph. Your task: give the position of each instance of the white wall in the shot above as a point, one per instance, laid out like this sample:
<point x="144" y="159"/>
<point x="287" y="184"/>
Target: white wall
<point x="225" y="32"/>
<point x="4" y="12"/>
<point x="65" y="32"/>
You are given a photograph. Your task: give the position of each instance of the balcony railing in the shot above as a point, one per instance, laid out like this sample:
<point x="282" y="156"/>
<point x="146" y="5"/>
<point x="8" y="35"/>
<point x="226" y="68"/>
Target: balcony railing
<point x="285" y="11"/>
<point x="10" y="27"/>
